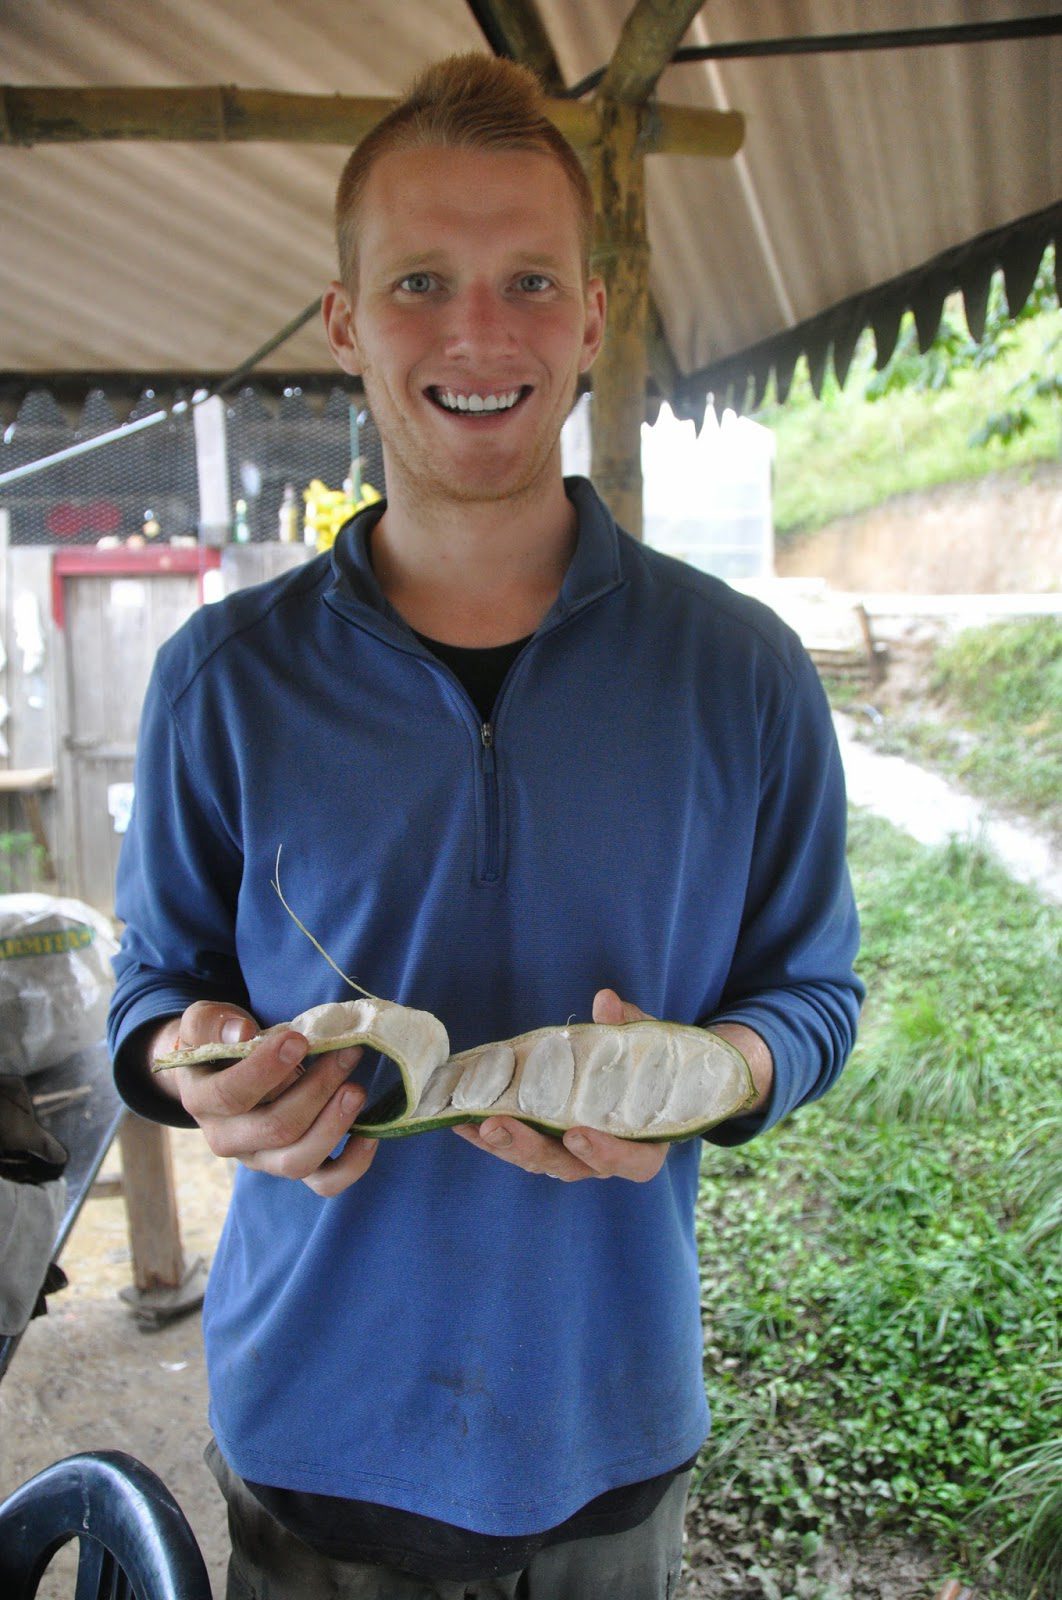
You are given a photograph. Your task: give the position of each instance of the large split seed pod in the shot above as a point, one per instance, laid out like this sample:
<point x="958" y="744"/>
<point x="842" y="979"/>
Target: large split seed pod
<point x="647" y="1081"/>
<point x="650" y="1081"/>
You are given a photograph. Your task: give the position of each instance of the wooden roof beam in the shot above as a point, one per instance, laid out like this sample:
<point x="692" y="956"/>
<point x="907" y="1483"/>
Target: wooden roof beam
<point x="650" y="36"/>
<point x="224" y="114"/>
<point x="518" y="24"/>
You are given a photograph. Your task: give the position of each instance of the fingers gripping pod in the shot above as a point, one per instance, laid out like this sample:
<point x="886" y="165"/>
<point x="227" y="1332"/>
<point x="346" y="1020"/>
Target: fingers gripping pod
<point x="647" y="1080"/>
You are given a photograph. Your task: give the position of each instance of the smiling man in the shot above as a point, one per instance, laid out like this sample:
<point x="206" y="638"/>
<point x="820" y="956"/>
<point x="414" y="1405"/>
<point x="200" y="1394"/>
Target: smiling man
<point x="469" y="314"/>
<point x="522" y="769"/>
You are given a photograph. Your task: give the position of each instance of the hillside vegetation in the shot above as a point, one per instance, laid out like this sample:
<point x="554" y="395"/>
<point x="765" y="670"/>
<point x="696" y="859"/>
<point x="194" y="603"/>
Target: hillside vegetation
<point x="960" y="411"/>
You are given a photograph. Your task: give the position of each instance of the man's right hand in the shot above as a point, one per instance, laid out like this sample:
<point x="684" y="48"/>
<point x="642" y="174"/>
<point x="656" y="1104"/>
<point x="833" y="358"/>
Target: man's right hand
<point x="276" y="1109"/>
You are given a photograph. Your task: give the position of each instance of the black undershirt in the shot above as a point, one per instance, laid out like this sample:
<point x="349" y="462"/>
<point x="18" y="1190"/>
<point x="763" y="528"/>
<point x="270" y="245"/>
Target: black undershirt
<point x="360" y="1530"/>
<point x="481" y="672"/>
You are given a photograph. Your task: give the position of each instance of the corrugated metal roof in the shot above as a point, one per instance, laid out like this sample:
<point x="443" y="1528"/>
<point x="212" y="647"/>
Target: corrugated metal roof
<point x="857" y="170"/>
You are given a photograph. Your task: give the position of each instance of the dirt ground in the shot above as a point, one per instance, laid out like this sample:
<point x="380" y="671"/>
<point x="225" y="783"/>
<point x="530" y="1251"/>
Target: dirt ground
<point x="87" y="1376"/>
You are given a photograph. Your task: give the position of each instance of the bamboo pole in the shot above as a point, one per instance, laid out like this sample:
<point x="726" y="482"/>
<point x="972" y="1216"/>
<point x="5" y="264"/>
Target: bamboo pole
<point x="651" y="35"/>
<point x="621" y="256"/>
<point x="517" y="27"/>
<point x="224" y="114"/>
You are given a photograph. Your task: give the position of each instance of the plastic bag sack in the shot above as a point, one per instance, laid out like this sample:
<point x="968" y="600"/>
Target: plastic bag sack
<point x="55" y="980"/>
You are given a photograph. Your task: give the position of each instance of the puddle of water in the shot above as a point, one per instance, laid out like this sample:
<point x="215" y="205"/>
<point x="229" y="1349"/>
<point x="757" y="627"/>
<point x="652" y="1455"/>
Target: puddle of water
<point x="931" y="811"/>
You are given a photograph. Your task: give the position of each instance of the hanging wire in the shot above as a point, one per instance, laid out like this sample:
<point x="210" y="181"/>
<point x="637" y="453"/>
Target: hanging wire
<point x="1038" y="27"/>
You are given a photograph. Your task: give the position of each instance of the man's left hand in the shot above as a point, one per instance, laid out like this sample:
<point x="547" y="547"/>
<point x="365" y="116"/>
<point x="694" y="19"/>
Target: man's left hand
<point x="583" y="1152"/>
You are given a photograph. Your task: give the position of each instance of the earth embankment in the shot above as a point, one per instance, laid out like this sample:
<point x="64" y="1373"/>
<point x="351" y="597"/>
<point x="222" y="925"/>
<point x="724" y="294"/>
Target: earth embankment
<point x="997" y="535"/>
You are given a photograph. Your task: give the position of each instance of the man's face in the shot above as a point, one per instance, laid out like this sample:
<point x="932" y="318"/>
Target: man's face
<point x="471" y="319"/>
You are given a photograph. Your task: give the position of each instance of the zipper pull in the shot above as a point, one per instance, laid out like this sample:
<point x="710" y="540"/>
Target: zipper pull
<point x="486" y="733"/>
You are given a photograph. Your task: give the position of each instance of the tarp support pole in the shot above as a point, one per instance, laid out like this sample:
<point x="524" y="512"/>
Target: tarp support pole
<point x="621" y="257"/>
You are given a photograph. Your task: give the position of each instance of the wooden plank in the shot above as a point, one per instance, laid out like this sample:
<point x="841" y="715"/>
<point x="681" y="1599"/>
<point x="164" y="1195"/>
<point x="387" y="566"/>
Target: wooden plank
<point x="621" y="255"/>
<point x="30" y="727"/>
<point x="650" y="36"/>
<point x="92" y="671"/>
<point x="151" y="1205"/>
<point x="15" y="780"/>
<point x="34" y="116"/>
<point x="115" y="622"/>
<point x="245" y="564"/>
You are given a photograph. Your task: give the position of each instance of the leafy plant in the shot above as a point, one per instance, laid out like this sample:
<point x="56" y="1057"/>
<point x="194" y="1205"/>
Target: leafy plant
<point x="1003" y="426"/>
<point x="928" y="372"/>
<point x="1036" y="1177"/>
<point x="957" y="412"/>
<point x="1007" y="673"/>
<point x="954" y="350"/>
<point x="1029" y="1497"/>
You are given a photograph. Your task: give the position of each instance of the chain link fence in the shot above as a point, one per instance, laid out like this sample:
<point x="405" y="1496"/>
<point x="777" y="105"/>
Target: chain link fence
<point x="145" y="485"/>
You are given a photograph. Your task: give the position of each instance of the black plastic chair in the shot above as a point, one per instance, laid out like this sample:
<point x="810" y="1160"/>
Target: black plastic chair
<point x="136" y="1543"/>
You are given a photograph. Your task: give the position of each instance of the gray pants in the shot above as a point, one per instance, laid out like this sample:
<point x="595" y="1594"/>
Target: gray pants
<point x="269" y="1563"/>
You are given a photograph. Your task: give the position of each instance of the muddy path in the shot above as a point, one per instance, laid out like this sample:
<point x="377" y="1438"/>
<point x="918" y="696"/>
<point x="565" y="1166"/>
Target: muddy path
<point x="932" y="811"/>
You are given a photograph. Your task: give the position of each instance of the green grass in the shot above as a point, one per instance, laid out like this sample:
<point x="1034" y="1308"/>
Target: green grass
<point x="881" y="1290"/>
<point x="1006" y="675"/>
<point x="1033" y="1486"/>
<point x="998" y="699"/>
<point x="843" y="454"/>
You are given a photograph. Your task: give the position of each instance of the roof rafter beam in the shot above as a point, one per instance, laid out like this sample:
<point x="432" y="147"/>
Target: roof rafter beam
<point x="514" y="28"/>
<point x="223" y="114"/>
<point x="649" y="38"/>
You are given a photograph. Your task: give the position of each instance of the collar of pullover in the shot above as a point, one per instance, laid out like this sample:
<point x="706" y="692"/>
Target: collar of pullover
<point x="593" y="571"/>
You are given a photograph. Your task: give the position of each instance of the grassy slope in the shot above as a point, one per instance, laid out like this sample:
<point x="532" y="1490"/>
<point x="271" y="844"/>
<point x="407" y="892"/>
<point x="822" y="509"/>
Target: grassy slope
<point x="843" y="454"/>
<point x="881" y="1297"/>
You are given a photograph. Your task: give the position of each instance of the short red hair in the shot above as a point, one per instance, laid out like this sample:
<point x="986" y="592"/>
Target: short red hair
<point x="470" y="102"/>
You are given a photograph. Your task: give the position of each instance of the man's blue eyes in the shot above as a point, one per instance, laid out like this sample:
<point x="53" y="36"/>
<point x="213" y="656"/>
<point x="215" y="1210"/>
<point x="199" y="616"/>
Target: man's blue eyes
<point x="424" y="282"/>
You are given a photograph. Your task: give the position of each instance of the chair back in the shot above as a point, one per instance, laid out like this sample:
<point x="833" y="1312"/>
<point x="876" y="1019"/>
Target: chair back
<point x="136" y="1543"/>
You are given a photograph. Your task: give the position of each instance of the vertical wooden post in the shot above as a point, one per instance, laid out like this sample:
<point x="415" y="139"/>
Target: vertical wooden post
<point x="151" y="1205"/>
<point x="163" y="1286"/>
<point x="212" y="469"/>
<point x="621" y="256"/>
